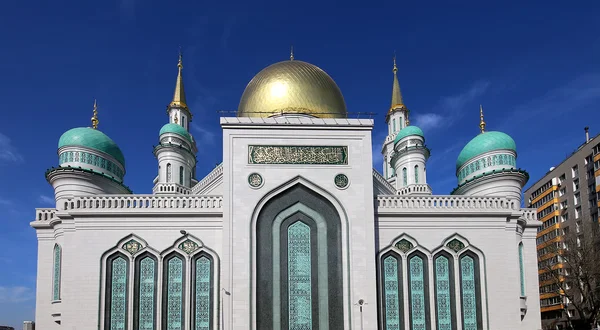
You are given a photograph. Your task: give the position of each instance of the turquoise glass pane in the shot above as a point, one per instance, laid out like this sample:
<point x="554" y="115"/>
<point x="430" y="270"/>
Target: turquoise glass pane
<point x="391" y="283"/>
<point x="118" y="294"/>
<point x="469" y="293"/>
<point x="174" y="294"/>
<point x="56" y="279"/>
<point x="299" y="277"/>
<point x="417" y="294"/>
<point x="442" y="293"/>
<point x="522" y="269"/>
<point x="146" y="294"/>
<point x="203" y="285"/>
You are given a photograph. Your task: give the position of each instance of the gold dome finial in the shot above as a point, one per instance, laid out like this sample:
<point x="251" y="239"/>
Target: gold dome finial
<point x="179" y="96"/>
<point x="481" y="122"/>
<point x="407" y="121"/>
<point x="291" y="52"/>
<point x="396" y="93"/>
<point x="395" y="67"/>
<point x="95" y="120"/>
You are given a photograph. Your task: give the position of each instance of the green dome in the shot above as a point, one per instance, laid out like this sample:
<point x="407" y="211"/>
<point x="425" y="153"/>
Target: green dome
<point x="93" y="139"/>
<point x="485" y="142"/>
<point x="408" y="130"/>
<point x="176" y="129"/>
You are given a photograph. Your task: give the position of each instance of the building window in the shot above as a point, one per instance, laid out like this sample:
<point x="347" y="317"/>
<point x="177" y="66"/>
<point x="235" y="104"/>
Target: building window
<point x="575" y="171"/>
<point x="469" y="292"/>
<point x="416" y="173"/>
<point x="202" y="301"/>
<point x="561" y="192"/>
<point x="575" y="184"/>
<point x="169" y="172"/>
<point x="404" y="176"/>
<point x="299" y="276"/>
<point x="577" y="199"/>
<point x="117" y="270"/>
<point x="588" y="159"/>
<point x="146" y="268"/>
<point x="578" y="212"/>
<point x="173" y="288"/>
<point x="394" y="125"/>
<point x="418" y="293"/>
<point x="57" y="270"/>
<point x="183" y="122"/>
<point x="181" y="175"/>
<point x="444" y="292"/>
<point x="392" y="292"/>
<point x="522" y="269"/>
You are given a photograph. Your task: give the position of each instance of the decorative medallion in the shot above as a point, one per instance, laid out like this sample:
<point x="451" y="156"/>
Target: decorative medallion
<point x="404" y="245"/>
<point x="305" y="155"/>
<point x="455" y="245"/>
<point x="188" y="246"/>
<point x="132" y="246"/>
<point x="341" y="181"/>
<point x="255" y="180"/>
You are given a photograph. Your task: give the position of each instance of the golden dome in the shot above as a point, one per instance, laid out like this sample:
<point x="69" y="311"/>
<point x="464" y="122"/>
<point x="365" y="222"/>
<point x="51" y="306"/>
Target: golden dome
<point x="292" y="87"/>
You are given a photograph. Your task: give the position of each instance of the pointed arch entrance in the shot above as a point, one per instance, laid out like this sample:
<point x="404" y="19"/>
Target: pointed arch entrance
<point x="298" y="262"/>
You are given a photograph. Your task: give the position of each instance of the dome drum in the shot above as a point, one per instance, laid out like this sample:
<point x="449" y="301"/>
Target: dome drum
<point x="486" y="163"/>
<point x="91" y="159"/>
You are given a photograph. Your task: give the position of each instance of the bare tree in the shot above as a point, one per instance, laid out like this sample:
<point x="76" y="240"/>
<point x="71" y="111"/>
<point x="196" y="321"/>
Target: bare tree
<point x="578" y="281"/>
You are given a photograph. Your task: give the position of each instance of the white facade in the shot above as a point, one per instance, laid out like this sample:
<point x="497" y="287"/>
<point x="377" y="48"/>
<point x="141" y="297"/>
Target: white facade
<point x="273" y="169"/>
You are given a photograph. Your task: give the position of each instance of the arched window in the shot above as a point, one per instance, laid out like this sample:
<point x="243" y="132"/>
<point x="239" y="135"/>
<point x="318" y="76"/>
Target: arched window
<point x="404" y="176"/>
<point x="470" y="292"/>
<point x="183" y="122"/>
<point x="173" y="288"/>
<point x="444" y="291"/>
<point x="202" y="292"/>
<point x="181" y="175"/>
<point x="144" y="309"/>
<point x="169" y="172"/>
<point x="117" y="278"/>
<point x="56" y="272"/>
<point x="394" y="125"/>
<point x="522" y="269"/>
<point x="418" y="291"/>
<point x="391" y="290"/>
<point x="416" y="173"/>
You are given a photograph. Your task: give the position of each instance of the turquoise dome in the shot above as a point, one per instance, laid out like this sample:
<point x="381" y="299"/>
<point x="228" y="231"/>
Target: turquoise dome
<point x="408" y="130"/>
<point x="93" y="139"/>
<point x="176" y="129"/>
<point x="485" y="142"/>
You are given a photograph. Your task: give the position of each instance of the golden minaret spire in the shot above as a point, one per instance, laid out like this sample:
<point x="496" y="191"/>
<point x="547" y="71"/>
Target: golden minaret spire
<point x="95" y="120"/>
<point x="396" y="93"/>
<point x="291" y="52"/>
<point x="481" y="122"/>
<point x="179" y="96"/>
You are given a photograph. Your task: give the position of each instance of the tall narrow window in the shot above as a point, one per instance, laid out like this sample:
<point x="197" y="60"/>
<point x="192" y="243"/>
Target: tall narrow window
<point x="392" y="300"/>
<point x="416" y="173"/>
<point x="203" y="292"/>
<point x="169" y="172"/>
<point x="183" y="122"/>
<point x="470" y="292"/>
<point x="404" y="176"/>
<point x="394" y="125"/>
<point x="181" y="175"/>
<point x="419" y="311"/>
<point x="173" y="277"/>
<point x="444" y="288"/>
<point x="115" y="313"/>
<point x="145" y="293"/>
<point x="299" y="276"/>
<point x="522" y="269"/>
<point x="57" y="270"/>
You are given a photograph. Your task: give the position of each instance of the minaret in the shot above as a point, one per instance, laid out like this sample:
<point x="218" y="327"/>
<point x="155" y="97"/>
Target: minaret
<point x="396" y="119"/>
<point x="176" y="152"/>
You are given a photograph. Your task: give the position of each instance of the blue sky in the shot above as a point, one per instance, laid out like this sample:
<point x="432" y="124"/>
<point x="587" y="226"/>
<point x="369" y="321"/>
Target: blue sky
<point x="534" y="66"/>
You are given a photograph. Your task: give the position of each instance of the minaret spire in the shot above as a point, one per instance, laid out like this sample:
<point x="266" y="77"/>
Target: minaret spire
<point x="179" y="96"/>
<point x="396" y="93"/>
<point x="481" y="122"/>
<point x="95" y="120"/>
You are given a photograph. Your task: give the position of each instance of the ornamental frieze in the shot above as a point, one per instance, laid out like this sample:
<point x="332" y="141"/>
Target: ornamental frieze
<point x="304" y="155"/>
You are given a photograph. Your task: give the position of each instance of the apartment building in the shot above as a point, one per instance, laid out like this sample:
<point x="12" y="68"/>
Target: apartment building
<point x="564" y="198"/>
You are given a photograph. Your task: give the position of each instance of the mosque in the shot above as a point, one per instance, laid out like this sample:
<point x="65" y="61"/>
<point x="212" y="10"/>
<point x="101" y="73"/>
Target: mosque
<point x="293" y="230"/>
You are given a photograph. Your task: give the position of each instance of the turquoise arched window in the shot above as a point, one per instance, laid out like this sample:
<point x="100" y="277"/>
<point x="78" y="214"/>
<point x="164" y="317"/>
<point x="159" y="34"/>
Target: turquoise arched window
<point x="418" y="292"/>
<point x="169" y="172"/>
<point x="203" y="286"/>
<point x="522" y="269"/>
<point x="117" y="279"/>
<point x="56" y="272"/>
<point x="470" y="292"/>
<point x="173" y="288"/>
<point x="444" y="292"/>
<point x="404" y="176"/>
<point x="146" y="271"/>
<point x="392" y="299"/>
<point x="416" y="173"/>
<point x="299" y="276"/>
